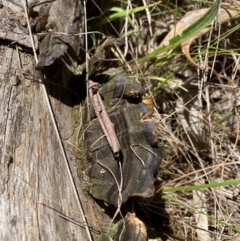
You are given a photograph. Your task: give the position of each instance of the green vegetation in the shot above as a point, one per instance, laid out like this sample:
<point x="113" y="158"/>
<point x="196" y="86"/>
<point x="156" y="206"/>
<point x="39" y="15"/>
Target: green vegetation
<point x="196" y="108"/>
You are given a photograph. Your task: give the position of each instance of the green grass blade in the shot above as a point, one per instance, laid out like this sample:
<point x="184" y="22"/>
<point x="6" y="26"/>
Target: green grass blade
<point x="201" y="212"/>
<point x="193" y="29"/>
<point x="163" y="81"/>
<point x="120" y="13"/>
<point x="201" y="186"/>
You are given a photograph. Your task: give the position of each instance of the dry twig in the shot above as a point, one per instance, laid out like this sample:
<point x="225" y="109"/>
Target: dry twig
<point x="103" y="118"/>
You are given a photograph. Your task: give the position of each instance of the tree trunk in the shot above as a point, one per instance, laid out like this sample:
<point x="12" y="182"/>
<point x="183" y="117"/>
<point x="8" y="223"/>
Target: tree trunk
<point x="37" y="200"/>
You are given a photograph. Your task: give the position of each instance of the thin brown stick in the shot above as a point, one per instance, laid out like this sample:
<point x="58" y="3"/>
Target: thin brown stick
<point x="170" y="162"/>
<point x="110" y="127"/>
<point x="93" y="88"/>
<point x="103" y="118"/>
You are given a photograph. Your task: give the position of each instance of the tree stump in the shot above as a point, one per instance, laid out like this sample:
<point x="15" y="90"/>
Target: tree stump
<point x="37" y="199"/>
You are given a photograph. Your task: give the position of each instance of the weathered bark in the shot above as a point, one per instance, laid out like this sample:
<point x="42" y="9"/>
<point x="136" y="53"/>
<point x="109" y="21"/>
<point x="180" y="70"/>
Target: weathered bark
<point x="37" y="201"/>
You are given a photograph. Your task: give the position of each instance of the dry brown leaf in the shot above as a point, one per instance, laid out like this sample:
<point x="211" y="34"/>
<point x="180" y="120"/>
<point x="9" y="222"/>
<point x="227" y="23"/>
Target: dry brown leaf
<point x="225" y="13"/>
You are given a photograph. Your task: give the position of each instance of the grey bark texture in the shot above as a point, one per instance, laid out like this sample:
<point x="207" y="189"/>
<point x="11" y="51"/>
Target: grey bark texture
<point x="37" y="201"/>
